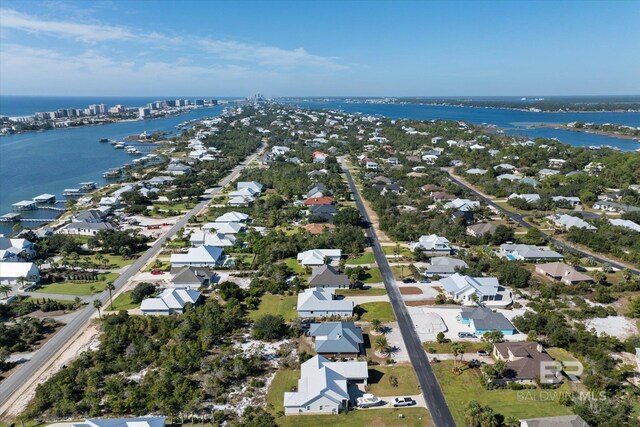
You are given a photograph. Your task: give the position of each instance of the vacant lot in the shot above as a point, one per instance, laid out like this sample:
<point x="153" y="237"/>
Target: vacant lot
<point x="375" y="310"/>
<point x="361" y="292"/>
<point x="284" y="306"/>
<point x="122" y="302"/>
<point x="410" y="290"/>
<point x="397" y="417"/>
<point x="380" y="380"/>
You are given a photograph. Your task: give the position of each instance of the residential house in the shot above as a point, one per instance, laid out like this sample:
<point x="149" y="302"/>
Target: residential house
<point x="326" y="276"/>
<point x="317" y="257"/>
<point x="240" y="201"/>
<point x="11" y="271"/>
<point x="220" y="240"/>
<point x="202" y="256"/>
<point x="370" y="165"/>
<point x="227" y="228"/>
<point x="614" y="207"/>
<point x="84" y="228"/>
<point x="322" y="302"/>
<point x="233" y="217"/>
<point x="476" y="171"/>
<point x="392" y="188"/>
<point x="337" y="339"/>
<point x="570" y="201"/>
<point x="122" y="422"/>
<point x="469" y="290"/>
<point x="562" y="272"/>
<point x="444" y="266"/>
<point x="90" y="215"/>
<point x="170" y="301"/>
<point x="526" y="363"/>
<point x="556" y="163"/>
<point x="528" y="253"/>
<point x="543" y="173"/>
<point x="529" y="198"/>
<point x="191" y="277"/>
<point x="556" y="421"/>
<point x="509" y="177"/>
<point x="324" y="213"/>
<point x="177" y="169"/>
<point x="253" y="186"/>
<point x="462" y="205"/>
<point x="482" y="319"/>
<point x="15" y="250"/>
<point x="480" y="229"/>
<point x="504" y="166"/>
<point x="318" y="190"/>
<point x="432" y="244"/>
<point x="317" y="228"/>
<point x="279" y="150"/>
<point x="326" y="200"/>
<point x="323" y="387"/>
<point x="441" y="196"/>
<point x="567" y="222"/>
<point x="626" y="224"/>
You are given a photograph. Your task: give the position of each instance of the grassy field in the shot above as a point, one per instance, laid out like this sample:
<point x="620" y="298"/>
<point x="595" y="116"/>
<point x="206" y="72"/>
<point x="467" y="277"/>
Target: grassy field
<point x="374" y="276"/>
<point x="122" y="302"/>
<point x="284" y="306"/>
<point x="115" y="261"/>
<point x="247" y="259"/>
<point x="164" y="265"/>
<point x="284" y="380"/>
<point x="379" y="380"/>
<point x="460" y="389"/>
<point x="294" y="265"/>
<point x="79" y="288"/>
<point x="391" y="250"/>
<point x="361" y="292"/>
<point x="401" y="272"/>
<point x="470" y="347"/>
<point x="173" y="207"/>
<point x="396" y="417"/>
<point x="365" y="258"/>
<point x="375" y="310"/>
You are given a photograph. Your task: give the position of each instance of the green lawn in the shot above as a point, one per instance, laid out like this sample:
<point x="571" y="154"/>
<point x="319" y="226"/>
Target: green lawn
<point x="361" y="292"/>
<point x="401" y="272"/>
<point x="374" y="276"/>
<point x="560" y="354"/>
<point x="284" y="306"/>
<point x="365" y="258"/>
<point x="391" y="250"/>
<point x="164" y="265"/>
<point x="294" y="265"/>
<point x="173" y="207"/>
<point x="247" y="259"/>
<point x="470" y="347"/>
<point x="178" y="244"/>
<point x="381" y="310"/>
<point x="460" y="389"/>
<point x="396" y="417"/>
<point x="115" y="261"/>
<point x="379" y="380"/>
<point x="122" y="302"/>
<point x="79" y="288"/>
<point x="284" y="380"/>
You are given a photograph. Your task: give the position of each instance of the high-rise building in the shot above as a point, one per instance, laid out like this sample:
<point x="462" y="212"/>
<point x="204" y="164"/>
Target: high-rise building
<point x="144" y="112"/>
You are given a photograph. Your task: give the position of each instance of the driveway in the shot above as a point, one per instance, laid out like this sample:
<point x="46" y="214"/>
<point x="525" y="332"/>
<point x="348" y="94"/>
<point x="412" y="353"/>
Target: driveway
<point x="364" y="299"/>
<point x="394" y="337"/>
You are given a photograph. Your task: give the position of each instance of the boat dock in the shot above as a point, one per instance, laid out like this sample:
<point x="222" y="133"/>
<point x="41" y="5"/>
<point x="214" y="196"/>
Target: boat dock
<point x="10" y="217"/>
<point x="24" y="205"/>
<point x="45" y="198"/>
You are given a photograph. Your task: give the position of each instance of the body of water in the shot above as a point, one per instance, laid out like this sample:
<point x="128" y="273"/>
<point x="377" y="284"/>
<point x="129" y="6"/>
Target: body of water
<point x="514" y="122"/>
<point x="50" y="161"/>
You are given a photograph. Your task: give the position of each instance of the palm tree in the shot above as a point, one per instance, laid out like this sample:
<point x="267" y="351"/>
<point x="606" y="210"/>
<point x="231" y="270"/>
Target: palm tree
<point x="97" y="304"/>
<point x="511" y="421"/>
<point x="21" y="281"/>
<point x="472" y="413"/>
<point x="5" y="289"/>
<point x="501" y="367"/>
<point x="376" y="325"/>
<point x="382" y="345"/>
<point x="110" y="288"/>
<point x="457" y="349"/>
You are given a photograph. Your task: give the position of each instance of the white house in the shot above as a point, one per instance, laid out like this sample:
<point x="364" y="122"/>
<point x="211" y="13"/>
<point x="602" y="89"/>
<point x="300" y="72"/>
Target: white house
<point x="529" y="198"/>
<point x="15" y="249"/>
<point x="240" y="201"/>
<point x="170" y="301"/>
<point x="462" y="205"/>
<point x="253" y="186"/>
<point x="315" y="257"/>
<point x="322" y="302"/>
<point x="625" y="223"/>
<point x="233" y="217"/>
<point x="476" y="171"/>
<point x="528" y="253"/>
<point x="212" y="239"/>
<point x="567" y="221"/>
<point x="11" y="271"/>
<point x="323" y="387"/>
<point x="572" y="201"/>
<point x="433" y="244"/>
<point x="464" y="288"/>
<point x="202" y="256"/>
<point x="84" y="228"/>
<point x="372" y="166"/>
<point x="224" y="227"/>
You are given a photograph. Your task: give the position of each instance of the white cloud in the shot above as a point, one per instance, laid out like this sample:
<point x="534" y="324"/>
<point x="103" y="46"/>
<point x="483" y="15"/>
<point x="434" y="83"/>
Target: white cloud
<point x="14" y="20"/>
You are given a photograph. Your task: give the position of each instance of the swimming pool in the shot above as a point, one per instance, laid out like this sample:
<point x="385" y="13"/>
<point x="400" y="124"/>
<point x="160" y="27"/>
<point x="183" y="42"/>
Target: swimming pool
<point x="510" y="257"/>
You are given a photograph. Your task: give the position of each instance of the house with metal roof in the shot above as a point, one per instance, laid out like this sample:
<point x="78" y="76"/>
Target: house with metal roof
<point x="567" y="222"/>
<point x="323" y="387"/>
<point x="220" y="240"/>
<point x="233" y="217"/>
<point x="444" y="266"/>
<point x="462" y="204"/>
<point x="467" y="289"/>
<point x="326" y="276"/>
<point x="529" y="198"/>
<point x="337" y="339"/>
<point x="11" y="271"/>
<point x="432" y="244"/>
<point x="528" y="253"/>
<point x="315" y="257"/>
<point x="202" y="256"/>
<point x="625" y="223"/>
<point x="482" y="319"/>
<point x="322" y="302"/>
<point x="170" y="301"/>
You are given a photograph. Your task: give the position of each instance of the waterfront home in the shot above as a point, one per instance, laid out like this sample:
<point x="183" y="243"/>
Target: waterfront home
<point x="84" y="228"/>
<point x="110" y="201"/>
<point x="191" y="277"/>
<point x="567" y="222"/>
<point x="322" y="302"/>
<point x="202" y="256"/>
<point x="212" y="239"/>
<point x="323" y="387"/>
<point x="12" y="250"/>
<point x="562" y="272"/>
<point x="527" y="253"/>
<point x="431" y="244"/>
<point x="463" y="205"/>
<point x="482" y="319"/>
<point x="626" y="224"/>
<point x="529" y="198"/>
<point x="468" y="290"/>
<point x="10" y="272"/>
<point x="170" y="301"/>
<point x="232" y="217"/>
<point x="317" y="257"/>
<point x="480" y="229"/>
<point x="122" y="422"/>
<point x="326" y="276"/>
<point x="337" y="339"/>
<point x="90" y="215"/>
<point x="570" y="201"/>
<point x="444" y="266"/>
<point x="556" y="421"/>
<point x="526" y="363"/>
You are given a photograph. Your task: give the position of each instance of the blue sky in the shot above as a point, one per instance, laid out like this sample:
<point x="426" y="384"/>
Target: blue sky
<point x="305" y="48"/>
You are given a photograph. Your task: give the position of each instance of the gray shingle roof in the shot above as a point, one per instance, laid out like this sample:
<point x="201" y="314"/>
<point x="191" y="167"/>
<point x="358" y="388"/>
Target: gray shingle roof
<point x="337" y="337"/>
<point x="485" y="319"/>
<point x="326" y="275"/>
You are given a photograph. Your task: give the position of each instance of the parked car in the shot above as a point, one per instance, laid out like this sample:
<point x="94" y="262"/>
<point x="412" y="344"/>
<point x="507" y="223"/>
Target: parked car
<point x="466" y="335"/>
<point x="403" y="401"/>
<point x="408" y="280"/>
<point x="368" y="400"/>
<point x="475" y="363"/>
<point x="157" y="272"/>
<point x="482" y="353"/>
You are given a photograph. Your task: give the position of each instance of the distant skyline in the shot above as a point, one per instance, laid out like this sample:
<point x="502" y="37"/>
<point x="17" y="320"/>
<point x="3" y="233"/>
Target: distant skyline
<point x="319" y="48"/>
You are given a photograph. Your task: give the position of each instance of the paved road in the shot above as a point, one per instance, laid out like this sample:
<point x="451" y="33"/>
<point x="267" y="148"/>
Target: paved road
<point x="428" y="383"/>
<point x="520" y="220"/>
<point x="10" y="387"/>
